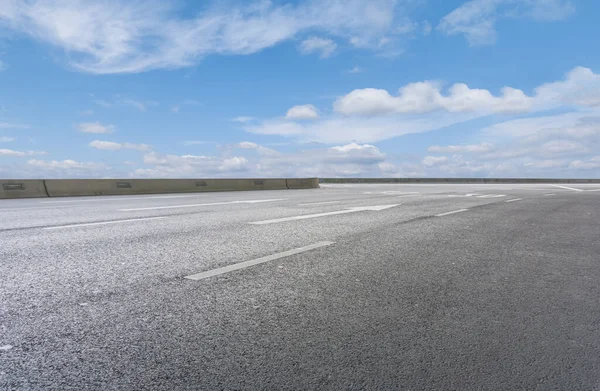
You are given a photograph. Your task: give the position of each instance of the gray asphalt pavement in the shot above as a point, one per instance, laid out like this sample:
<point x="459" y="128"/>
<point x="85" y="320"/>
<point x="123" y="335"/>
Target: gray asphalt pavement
<point x="412" y="287"/>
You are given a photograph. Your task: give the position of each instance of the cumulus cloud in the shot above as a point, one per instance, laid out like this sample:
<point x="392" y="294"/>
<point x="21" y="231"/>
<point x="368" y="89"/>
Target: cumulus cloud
<point x="425" y="97"/>
<point x="371" y="115"/>
<point x="10" y="152"/>
<point x="95" y="127"/>
<point x="125" y="36"/>
<point x="324" y="46"/>
<point x="476" y="19"/>
<point x="302" y="112"/>
<point x="112" y="146"/>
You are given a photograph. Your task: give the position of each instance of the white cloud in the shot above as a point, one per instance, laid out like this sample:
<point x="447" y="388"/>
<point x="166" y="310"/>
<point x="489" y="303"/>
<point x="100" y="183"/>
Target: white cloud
<point x="324" y="46"/>
<point x="141" y="106"/>
<point x="103" y="103"/>
<point x="372" y="115"/>
<point x="593" y="163"/>
<point x="426" y="26"/>
<point x="10" y="152"/>
<point x="476" y="19"/>
<point x="112" y="146"/>
<point x="234" y="164"/>
<point x="424" y="97"/>
<point x="8" y="125"/>
<point x="263" y="151"/>
<point x="473" y="148"/>
<point x="95" y="127"/>
<point x="186" y="166"/>
<point x="356" y="69"/>
<point x="63" y="169"/>
<point x="124" y="36"/>
<point x="4" y="139"/>
<point x="196" y="142"/>
<point x="302" y="112"/>
<point x="243" y="119"/>
<point x="434" y="160"/>
<point x="341" y="129"/>
<point x="175" y="109"/>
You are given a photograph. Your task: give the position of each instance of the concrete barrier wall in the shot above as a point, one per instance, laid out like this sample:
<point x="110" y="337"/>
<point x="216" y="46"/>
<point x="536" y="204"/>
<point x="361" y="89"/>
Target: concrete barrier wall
<point x="455" y="180"/>
<point x="17" y="188"/>
<point x="92" y="187"/>
<point x="303" y="183"/>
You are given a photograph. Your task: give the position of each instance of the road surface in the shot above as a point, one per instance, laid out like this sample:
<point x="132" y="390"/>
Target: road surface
<point x="345" y="287"/>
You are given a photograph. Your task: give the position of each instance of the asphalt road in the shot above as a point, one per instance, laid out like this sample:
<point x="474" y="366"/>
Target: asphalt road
<point x="412" y="287"/>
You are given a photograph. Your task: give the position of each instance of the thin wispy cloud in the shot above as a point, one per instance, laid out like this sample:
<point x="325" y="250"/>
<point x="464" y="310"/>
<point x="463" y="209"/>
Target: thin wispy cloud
<point x="125" y="37"/>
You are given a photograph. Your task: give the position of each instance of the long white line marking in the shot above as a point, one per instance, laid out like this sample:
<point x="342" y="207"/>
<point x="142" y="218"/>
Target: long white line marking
<point x="513" y="200"/>
<point x="315" y="215"/>
<point x="451" y="213"/>
<point x="549" y="194"/>
<point x="594" y="190"/>
<point x="111" y="198"/>
<point x="105" y="222"/>
<point x="320" y="203"/>
<point x="242" y="265"/>
<point x="194" y="205"/>
<point x="566" y="187"/>
<point x="492" y="196"/>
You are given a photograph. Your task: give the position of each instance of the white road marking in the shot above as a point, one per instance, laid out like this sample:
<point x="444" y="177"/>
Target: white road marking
<point x="319" y="203"/>
<point x="111" y="198"/>
<point x="513" y="200"/>
<point x="194" y="205"/>
<point x="566" y="187"/>
<point x="315" y="215"/>
<point x="549" y="194"/>
<point x="105" y="222"/>
<point x="391" y="192"/>
<point x="492" y="196"/>
<point x="465" y="195"/>
<point x="242" y="265"/>
<point x="594" y="190"/>
<point x="451" y="213"/>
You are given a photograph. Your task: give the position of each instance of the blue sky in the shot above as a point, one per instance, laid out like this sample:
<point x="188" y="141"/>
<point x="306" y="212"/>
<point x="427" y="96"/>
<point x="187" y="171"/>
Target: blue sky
<point x="480" y="88"/>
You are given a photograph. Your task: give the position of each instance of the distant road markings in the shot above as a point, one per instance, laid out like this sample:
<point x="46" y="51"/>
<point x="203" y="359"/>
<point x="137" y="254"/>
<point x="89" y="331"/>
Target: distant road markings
<point x="594" y="190"/>
<point x="492" y="196"/>
<point x="112" y="198"/>
<point x="105" y="222"/>
<point x="391" y="192"/>
<point x="451" y="213"/>
<point x="549" y="194"/>
<point x="194" y="205"/>
<point x="319" y="203"/>
<point x="566" y="187"/>
<point x="513" y="200"/>
<point x="257" y="261"/>
<point x="312" y="216"/>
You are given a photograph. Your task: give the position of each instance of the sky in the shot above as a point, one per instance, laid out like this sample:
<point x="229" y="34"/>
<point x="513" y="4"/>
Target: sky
<point x="327" y="88"/>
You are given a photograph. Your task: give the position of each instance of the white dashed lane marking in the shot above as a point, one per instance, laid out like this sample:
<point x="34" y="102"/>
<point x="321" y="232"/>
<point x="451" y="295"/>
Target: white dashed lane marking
<point x="104" y="223"/>
<point x="513" y="200"/>
<point x="451" y="213"/>
<point x="257" y="261"/>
